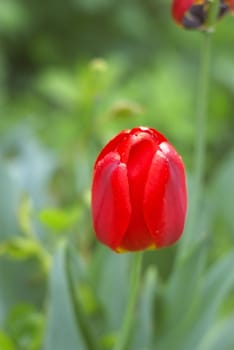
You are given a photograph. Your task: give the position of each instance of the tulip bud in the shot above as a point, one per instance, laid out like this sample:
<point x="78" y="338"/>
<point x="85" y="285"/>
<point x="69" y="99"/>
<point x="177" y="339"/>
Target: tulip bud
<point x="139" y="197"/>
<point x="192" y="14"/>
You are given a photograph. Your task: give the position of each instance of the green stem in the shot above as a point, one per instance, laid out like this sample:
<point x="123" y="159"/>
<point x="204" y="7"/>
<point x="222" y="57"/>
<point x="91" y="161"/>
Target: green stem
<point x="124" y="338"/>
<point x="202" y="107"/>
<point x="201" y="122"/>
<point x="200" y="144"/>
<point x="43" y="257"/>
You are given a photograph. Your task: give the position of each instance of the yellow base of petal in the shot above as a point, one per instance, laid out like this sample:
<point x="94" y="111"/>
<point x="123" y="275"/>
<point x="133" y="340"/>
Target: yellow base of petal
<point x="123" y="250"/>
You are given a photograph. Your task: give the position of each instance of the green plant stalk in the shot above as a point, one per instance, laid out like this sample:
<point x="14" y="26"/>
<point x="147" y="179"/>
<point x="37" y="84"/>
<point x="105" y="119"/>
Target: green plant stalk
<point x="201" y="119"/>
<point x="202" y="107"/>
<point x="124" y="338"/>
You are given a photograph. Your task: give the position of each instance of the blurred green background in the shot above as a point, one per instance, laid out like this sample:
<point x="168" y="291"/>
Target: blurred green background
<point x="72" y="74"/>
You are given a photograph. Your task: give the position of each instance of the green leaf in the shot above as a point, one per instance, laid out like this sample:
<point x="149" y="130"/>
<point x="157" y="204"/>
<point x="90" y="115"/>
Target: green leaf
<point x="19" y="248"/>
<point x="145" y="327"/>
<point x="5" y="342"/>
<point x="84" y="303"/>
<point x="13" y="17"/>
<point x="180" y="297"/>
<point x="110" y="279"/>
<point x="61" y="330"/>
<point x="58" y="85"/>
<point x="59" y="220"/>
<point x="221" y="336"/>
<point x="87" y="298"/>
<point x="195" y="230"/>
<point x="125" y="109"/>
<point x="198" y="318"/>
<point x="25" y="325"/>
<point x="186" y="276"/>
<point x="216" y="284"/>
<point x="24" y="215"/>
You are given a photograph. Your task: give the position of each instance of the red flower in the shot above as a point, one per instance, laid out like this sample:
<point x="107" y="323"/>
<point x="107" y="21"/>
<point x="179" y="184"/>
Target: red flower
<point x="191" y="14"/>
<point x="139" y="198"/>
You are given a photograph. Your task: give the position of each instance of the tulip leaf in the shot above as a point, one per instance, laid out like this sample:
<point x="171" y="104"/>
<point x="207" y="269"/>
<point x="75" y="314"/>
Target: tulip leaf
<point x="185" y="277"/>
<point x="61" y="331"/>
<point x="216" y="284"/>
<point x="145" y="325"/>
<point x="180" y="297"/>
<point x="110" y="279"/>
<point x="221" y="336"/>
<point x="197" y="320"/>
<point x="194" y="229"/>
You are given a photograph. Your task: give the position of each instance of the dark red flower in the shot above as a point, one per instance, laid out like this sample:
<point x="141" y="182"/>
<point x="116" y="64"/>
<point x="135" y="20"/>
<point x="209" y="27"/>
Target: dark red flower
<point x="192" y="14"/>
<point x="139" y="197"/>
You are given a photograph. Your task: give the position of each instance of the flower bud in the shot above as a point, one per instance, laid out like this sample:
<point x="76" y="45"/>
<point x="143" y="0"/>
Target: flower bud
<point x="192" y="14"/>
<point x="139" y="197"/>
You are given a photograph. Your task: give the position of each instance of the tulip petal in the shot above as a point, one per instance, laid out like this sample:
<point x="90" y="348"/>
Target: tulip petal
<point x="154" y="193"/>
<point x="165" y="196"/>
<point x="175" y="200"/>
<point x="232" y="6"/>
<point x="111" y="206"/>
<point x="112" y="145"/>
<point x="137" y="236"/>
<point x="179" y="7"/>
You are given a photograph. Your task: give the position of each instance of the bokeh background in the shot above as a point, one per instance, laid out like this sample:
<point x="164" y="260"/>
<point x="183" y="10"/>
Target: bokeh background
<point x="72" y="74"/>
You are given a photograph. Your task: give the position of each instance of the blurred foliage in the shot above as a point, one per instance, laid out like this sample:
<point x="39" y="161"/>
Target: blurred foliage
<point x="71" y="75"/>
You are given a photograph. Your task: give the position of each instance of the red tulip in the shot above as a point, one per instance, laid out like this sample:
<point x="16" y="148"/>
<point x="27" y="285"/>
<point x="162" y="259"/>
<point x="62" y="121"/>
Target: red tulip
<point x="191" y="14"/>
<point x="139" y="197"/>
